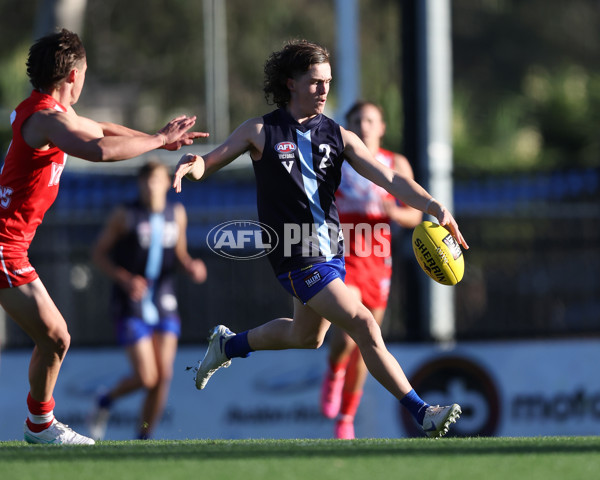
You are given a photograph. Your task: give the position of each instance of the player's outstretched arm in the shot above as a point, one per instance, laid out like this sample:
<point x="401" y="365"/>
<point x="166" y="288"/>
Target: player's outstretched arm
<point x="113" y="129"/>
<point x="402" y="187"/>
<point x="403" y="215"/>
<point x="248" y="137"/>
<point x="86" y="139"/>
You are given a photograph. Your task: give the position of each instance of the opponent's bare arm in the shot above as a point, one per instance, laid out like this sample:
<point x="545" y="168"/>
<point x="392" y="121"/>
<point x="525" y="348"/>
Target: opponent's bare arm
<point x="248" y="137"/>
<point x="186" y="139"/>
<point x="403" y="188"/>
<point x="86" y="139"/>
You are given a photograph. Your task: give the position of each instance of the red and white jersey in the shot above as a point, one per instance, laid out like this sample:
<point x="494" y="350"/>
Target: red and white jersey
<point x="357" y="196"/>
<point x="28" y="180"/>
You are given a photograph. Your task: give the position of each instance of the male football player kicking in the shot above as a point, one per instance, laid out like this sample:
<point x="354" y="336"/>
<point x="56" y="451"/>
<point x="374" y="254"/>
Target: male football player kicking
<point x="296" y="192"/>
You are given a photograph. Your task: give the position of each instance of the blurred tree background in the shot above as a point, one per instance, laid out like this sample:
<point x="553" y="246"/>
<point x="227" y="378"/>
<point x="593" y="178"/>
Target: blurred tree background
<point x="527" y="84"/>
<point x="526" y="74"/>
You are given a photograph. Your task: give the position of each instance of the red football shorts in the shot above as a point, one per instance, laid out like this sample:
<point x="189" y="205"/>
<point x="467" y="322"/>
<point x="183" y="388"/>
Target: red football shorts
<point x="371" y="276"/>
<point x="368" y="259"/>
<point x="15" y="272"/>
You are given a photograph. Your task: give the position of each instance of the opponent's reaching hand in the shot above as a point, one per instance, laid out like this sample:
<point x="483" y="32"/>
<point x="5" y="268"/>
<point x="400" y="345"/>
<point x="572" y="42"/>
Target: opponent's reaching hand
<point x="189" y="166"/>
<point x="186" y="139"/>
<point x="175" y="133"/>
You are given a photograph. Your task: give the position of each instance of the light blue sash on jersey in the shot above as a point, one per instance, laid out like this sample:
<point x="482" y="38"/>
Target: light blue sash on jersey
<point x="153" y="267"/>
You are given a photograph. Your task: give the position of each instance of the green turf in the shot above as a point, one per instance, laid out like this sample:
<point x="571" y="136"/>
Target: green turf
<point x="366" y="459"/>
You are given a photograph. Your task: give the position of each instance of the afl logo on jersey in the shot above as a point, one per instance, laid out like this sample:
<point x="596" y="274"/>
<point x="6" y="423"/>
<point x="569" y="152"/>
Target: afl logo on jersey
<point x="285" y="147"/>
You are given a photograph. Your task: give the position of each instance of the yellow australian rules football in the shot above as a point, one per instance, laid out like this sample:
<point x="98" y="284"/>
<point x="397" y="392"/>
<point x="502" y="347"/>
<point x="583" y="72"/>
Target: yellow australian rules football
<point x="438" y="253"/>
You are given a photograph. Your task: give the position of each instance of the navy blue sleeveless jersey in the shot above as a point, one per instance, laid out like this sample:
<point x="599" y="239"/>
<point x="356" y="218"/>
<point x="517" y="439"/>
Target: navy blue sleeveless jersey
<point x="131" y="252"/>
<point x="296" y="179"/>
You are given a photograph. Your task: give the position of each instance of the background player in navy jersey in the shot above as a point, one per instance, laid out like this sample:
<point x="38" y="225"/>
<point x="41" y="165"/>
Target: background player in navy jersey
<point x="367" y="209"/>
<point x="297" y="153"/>
<point x="139" y="249"/>
<point x="46" y="129"/>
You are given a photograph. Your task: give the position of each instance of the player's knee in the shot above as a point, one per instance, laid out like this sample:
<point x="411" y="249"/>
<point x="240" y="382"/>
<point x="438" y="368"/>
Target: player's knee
<point x="165" y="376"/>
<point x="57" y="344"/>
<point x="365" y="327"/>
<point x="148" y="380"/>
<point x="311" y="341"/>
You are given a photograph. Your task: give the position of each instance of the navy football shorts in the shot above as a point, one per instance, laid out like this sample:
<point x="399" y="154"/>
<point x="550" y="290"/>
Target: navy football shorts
<point x="131" y="330"/>
<point x="306" y="282"/>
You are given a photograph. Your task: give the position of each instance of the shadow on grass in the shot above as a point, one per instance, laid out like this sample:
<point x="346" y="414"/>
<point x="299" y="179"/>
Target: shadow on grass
<point x="263" y="449"/>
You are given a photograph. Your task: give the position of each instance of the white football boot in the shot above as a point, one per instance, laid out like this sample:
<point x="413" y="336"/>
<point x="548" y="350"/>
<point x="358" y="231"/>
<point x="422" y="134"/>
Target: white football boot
<point x="215" y="357"/>
<point x="437" y="419"/>
<point x="57" y="433"/>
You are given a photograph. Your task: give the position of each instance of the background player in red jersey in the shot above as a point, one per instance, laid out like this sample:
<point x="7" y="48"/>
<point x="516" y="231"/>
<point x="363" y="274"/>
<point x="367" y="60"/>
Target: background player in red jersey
<point x="45" y="130"/>
<point x="367" y="209"/>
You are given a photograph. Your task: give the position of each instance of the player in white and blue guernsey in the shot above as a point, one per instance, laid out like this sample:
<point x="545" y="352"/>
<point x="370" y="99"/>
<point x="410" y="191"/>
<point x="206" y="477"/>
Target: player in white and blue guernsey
<point x="297" y="153"/>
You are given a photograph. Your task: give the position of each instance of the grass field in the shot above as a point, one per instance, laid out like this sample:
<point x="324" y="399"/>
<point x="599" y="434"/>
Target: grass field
<point x="451" y="458"/>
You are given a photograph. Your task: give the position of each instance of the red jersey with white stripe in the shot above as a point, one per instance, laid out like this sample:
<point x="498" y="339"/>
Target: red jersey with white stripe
<point x="367" y="236"/>
<point x="357" y="195"/>
<point x="28" y="181"/>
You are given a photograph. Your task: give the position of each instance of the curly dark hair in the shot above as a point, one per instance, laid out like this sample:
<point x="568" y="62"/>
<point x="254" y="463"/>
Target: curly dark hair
<point x="52" y="57"/>
<point x="293" y="60"/>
